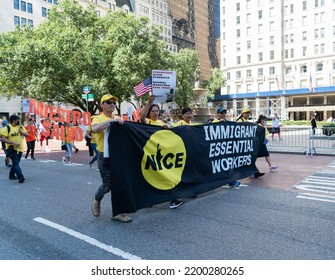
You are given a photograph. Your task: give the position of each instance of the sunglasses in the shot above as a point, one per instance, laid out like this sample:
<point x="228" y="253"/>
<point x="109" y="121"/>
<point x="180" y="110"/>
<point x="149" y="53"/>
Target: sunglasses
<point x="109" y="102"/>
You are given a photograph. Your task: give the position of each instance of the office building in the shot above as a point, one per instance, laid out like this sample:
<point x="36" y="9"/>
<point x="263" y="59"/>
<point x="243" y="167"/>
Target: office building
<point x="278" y="57"/>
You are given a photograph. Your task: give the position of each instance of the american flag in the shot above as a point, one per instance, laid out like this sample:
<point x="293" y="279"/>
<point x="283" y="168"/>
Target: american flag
<point x="310" y="83"/>
<point x="143" y="87"/>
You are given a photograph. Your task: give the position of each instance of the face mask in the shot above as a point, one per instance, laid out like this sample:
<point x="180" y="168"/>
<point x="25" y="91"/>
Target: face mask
<point x="265" y="123"/>
<point x="18" y="122"/>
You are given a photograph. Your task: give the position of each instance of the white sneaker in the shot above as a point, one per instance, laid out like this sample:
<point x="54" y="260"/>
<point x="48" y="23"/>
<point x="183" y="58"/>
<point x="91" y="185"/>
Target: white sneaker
<point x="273" y="168"/>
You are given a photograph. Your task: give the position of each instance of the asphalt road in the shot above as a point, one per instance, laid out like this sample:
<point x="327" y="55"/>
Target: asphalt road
<point x="48" y="217"/>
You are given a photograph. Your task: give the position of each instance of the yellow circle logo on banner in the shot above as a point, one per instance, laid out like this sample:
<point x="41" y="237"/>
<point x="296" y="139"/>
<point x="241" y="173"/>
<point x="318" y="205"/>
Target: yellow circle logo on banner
<point x="164" y="160"/>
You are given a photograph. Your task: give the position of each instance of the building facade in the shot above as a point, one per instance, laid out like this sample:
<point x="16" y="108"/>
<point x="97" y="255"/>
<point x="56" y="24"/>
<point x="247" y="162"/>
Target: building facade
<point x="278" y="57"/>
<point x="193" y="27"/>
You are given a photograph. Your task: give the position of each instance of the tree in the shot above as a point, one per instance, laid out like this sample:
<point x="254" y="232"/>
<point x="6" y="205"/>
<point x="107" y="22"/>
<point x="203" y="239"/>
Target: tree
<point x="184" y="63"/>
<point x="215" y="82"/>
<point x="74" y="48"/>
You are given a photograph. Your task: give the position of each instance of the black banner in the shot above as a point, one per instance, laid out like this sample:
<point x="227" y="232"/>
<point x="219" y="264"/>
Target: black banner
<point x="150" y="165"/>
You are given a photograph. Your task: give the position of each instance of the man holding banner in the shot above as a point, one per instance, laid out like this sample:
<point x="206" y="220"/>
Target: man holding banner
<point x="99" y="125"/>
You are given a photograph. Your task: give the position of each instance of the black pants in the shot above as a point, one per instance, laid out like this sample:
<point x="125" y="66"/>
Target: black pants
<point x="30" y="147"/>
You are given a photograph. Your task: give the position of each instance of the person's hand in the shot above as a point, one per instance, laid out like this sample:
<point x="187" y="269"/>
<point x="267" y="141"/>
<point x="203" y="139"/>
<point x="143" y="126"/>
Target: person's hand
<point x="119" y="120"/>
<point x="151" y="99"/>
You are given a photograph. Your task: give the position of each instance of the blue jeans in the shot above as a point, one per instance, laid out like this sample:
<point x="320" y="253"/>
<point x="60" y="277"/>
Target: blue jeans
<point x="15" y="169"/>
<point x="94" y="148"/>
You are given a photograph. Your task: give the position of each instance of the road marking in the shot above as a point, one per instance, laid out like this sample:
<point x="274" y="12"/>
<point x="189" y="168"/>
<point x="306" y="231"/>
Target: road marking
<point x="47" y="160"/>
<point x="86" y="238"/>
<point x="319" y="186"/>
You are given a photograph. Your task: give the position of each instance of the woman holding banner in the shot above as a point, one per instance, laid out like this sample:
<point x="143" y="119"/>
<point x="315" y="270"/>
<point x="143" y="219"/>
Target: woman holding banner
<point x="150" y="115"/>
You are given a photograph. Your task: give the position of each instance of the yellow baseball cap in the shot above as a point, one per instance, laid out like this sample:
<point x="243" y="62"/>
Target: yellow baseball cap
<point x="246" y="111"/>
<point x="107" y="97"/>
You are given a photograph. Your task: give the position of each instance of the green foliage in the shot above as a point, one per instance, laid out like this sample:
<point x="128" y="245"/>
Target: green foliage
<point x="215" y="82"/>
<point x="184" y="63"/>
<point x="74" y="48"/>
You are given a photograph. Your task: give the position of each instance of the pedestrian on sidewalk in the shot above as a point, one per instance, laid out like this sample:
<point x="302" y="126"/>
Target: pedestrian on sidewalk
<point x="263" y="152"/>
<point x="275" y="129"/>
<point x="13" y="136"/>
<point x="31" y="138"/>
<point x="99" y="125"/>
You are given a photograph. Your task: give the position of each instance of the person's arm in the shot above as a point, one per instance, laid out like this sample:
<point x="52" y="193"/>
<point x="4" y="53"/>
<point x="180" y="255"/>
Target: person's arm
<point x="98" y="127"/>
<point x="145" y="110"/>
<point x="6" y="140"/>
<point x="23" y="131"/>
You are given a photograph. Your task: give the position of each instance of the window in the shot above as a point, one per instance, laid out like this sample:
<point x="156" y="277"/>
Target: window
<point x="260" y="87"/>
<point x="291" y="38"/>
<point x="30" y="23"/>
<point x="272" y="40"/>
<point x="292" y="53"/>
<point x="304" y="35"/>
<point x="16" y="21"/>
<point x="248" y="73"/>
<point x="260" y="14"/>
<point x="271" y="11"/>
<point x="248" y="31"/>
<point x="260" y="28"/>
<point x="334" y="66"/>
<point x="248" y="45"/>
<point x="271" y="70"/>
<point x="303" y="69"/>
<point x="286" y="53"/>
<point x="23" y="6"/>
<point x="288" y="70"/>
<point x="322" y="33"/>
<point x="248" y="17"/>
<point x="44" y="12"/>
<point x="260" y="56"/>
<point x="30" y="8"/>
<point x="238" y="7"/>
<point x="304" y="5"/>
<point x="316" y="33"/>
<point x="316" y="49"/>
<point x="260" y="42"/>
<point x="16" y="5"/>
<point x="238" y="59"/>
<point x="319" y="67"/>
<point x="272" y="55"/>
<point x="23" y="21"/>
<point x="238" y="33"/>
<point x="272" y="26"/>
<point x="322" y="48"/>
<point x="304" y="51"/>
<point x="248" y="58"/>
<point x="260" y="72"/>
<point x="238" y="74"/>
<point x="228" y="75"/>
<point x="238" y="47"/>
<point x="304" y="20"/>
<point x="238" y="20"/>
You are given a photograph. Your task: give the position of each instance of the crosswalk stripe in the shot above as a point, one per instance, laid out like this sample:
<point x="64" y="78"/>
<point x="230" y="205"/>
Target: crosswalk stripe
<point x="315" y="198"/>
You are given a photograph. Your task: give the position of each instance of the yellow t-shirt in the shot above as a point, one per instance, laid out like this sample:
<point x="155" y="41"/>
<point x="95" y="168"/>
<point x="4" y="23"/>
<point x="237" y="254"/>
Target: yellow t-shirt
<point x="181" y="122"/>
<point x="216" y="120"/>
<point x="14" y="136"/>
<point x="242" y="120"/>
<point x="99" y="137"/>
<point x="152" y="122"/>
